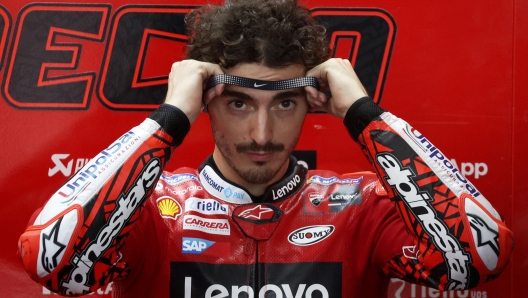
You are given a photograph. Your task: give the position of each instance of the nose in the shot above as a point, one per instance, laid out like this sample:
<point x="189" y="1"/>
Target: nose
<point x="261" y="130"/>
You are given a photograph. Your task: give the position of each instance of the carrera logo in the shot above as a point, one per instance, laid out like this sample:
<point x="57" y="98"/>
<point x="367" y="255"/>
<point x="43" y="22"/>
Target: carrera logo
<point x="310" y="235"/>
<point x="206" y="225"/>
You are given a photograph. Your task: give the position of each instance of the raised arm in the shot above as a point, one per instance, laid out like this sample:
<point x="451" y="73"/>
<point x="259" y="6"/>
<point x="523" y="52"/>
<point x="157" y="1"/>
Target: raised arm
<point x="461" y="239"/>
<point x="72" y="246"/>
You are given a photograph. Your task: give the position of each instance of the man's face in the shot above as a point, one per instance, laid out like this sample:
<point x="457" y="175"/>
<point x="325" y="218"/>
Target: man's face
<point x="256" y="130"/>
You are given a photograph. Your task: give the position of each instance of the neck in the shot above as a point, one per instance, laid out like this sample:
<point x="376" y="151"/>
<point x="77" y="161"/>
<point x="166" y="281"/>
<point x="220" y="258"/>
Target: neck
<point x="229" y="173"/>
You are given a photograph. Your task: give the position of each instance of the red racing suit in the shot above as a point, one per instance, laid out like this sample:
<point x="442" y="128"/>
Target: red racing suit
<point x="193" y="233"/>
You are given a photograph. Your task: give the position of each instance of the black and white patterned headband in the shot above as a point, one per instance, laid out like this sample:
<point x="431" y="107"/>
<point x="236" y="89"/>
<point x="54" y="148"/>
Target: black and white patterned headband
<point x="260" y="84"/>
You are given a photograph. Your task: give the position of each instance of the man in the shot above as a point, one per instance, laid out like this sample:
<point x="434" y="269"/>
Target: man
<point x="251" y="222"/>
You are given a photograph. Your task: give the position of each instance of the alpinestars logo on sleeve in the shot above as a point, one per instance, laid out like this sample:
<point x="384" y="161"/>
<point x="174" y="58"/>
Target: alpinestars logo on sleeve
<point x="51" y="248"/>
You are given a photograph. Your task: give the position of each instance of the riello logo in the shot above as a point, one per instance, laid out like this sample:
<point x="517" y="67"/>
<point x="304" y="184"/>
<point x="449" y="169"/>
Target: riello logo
<point x="64" y="55"/>
<point x="310" y="235"/>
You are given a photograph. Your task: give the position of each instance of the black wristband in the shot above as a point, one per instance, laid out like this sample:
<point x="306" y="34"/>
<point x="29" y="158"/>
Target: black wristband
<point x="173" y="121"/>
<point x="359" y="116"/>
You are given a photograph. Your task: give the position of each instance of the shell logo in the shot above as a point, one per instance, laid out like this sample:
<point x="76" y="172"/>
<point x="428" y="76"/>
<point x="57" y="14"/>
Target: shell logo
<point x="169" y="208"/>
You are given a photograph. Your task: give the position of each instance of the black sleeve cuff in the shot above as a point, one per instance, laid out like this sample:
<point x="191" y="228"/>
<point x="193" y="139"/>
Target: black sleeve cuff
<point x="173" y="121"/>
<point x="359" y="116"/>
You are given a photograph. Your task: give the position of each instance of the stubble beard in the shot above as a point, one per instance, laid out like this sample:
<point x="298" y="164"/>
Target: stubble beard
<point x="262" y="172"/>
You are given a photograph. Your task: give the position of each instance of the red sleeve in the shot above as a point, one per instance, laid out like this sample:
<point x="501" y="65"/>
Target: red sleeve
<point x="460" y="240"/>
<point x="73" y="245"/>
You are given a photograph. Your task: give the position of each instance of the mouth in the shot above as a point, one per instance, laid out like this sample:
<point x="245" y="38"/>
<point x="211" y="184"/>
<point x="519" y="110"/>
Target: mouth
<point x="260" y="156"/>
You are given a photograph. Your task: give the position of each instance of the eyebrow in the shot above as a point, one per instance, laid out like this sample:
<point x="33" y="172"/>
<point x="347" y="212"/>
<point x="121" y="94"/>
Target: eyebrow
<point x="278" y="96"/>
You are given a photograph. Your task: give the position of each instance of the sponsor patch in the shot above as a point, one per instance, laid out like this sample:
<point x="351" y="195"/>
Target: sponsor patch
<point x="178" y="178"/>
<point x="344" y="196"/>
<point x="168" y="207"/>
<point x="221" y="189"/>
<point x="257" y="221"/>
<point x="206" y="225"/>
<point x="315" y="198"/>
<point x="310" y="235"/>
<point x="203" y="246"/>
<point x="299" y="280"/>
<point x="205" y="206"/>
<point x="127" y="203"/>
<point x="418" y="203"/>
<point x="332" y="180"/>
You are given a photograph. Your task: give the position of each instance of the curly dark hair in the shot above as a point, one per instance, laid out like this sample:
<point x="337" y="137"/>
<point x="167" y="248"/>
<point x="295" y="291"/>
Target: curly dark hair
<point x="277" y="33"/>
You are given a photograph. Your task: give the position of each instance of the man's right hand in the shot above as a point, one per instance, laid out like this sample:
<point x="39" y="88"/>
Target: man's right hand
<point x="187" y="81"/>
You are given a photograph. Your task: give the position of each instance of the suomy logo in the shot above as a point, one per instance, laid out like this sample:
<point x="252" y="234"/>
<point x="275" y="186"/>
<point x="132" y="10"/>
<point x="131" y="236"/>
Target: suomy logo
<point x="457" y="260"/>
<point x="310" y="235"/>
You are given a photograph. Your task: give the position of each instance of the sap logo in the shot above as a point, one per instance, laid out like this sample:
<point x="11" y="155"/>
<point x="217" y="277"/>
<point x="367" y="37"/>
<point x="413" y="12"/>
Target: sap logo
<point x="195" y="245"/>
<point x="61" y="167"/>
<point x="310" y="235"/>
<point x="269" y="290"/>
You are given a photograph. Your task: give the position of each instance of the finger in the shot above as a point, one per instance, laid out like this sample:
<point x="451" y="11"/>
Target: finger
<point x="209" y="95"/>
<point x="311" y="93"/>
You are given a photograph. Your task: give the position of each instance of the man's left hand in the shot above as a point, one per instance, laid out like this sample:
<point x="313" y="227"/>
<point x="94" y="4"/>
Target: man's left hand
<point x="337" y="76"/>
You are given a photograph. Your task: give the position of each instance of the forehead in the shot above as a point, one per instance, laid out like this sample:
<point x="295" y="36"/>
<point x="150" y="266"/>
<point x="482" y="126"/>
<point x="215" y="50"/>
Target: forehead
<point x="261" y="72"/>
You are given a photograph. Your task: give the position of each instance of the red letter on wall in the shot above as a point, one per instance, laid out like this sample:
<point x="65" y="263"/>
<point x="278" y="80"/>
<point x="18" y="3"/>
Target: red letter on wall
<point x="143" y="43"/>
<point x="41" y="69"/>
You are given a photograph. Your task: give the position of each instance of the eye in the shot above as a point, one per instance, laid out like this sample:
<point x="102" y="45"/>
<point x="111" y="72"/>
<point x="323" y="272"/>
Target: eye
<point x="286" y="104"/>
<point x="237" y="105"/>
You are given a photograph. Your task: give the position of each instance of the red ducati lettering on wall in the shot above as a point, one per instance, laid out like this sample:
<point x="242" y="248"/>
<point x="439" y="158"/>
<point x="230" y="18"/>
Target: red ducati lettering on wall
<point x="51" y="66"/>
<point x="43" y="69"/>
